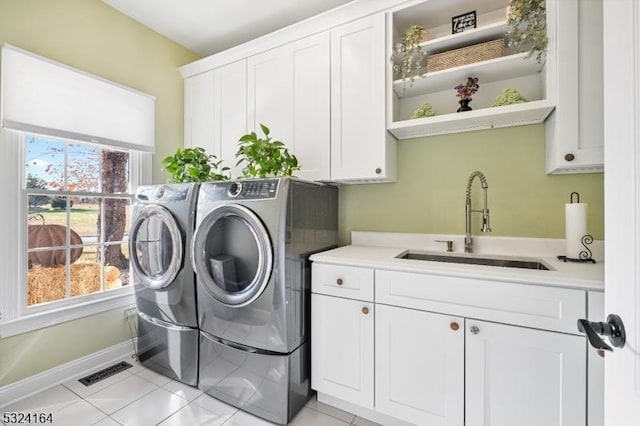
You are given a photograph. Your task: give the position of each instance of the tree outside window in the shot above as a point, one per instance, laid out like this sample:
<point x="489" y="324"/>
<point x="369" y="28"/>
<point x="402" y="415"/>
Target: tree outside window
<point x="78" y="218"/>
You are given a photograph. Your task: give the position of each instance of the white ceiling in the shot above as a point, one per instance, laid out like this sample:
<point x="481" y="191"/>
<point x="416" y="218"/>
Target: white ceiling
<point x="210" y="26"/>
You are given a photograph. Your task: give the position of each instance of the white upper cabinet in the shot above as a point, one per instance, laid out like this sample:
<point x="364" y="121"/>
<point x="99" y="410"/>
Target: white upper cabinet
<point x="216" y="112"/>
<point x="288" y="91"/>
<point x="361" y="148"/>
<point x="435" y="85"/>
<point x="575" y="133"/>
<point x="198" y="112"/>
<point x="230" y="106"/>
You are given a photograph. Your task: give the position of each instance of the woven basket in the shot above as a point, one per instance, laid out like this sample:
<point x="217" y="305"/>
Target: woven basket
<point x="466" y="55"/>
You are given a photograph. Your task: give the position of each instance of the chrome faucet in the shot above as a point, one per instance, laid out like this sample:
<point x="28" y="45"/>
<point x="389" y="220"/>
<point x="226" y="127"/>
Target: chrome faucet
<point x="468" y="242"/>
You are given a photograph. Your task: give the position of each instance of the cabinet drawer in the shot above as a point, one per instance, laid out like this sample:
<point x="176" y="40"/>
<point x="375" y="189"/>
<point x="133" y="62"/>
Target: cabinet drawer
<point x="533" y="306"/>
<point x="342" y="281"/>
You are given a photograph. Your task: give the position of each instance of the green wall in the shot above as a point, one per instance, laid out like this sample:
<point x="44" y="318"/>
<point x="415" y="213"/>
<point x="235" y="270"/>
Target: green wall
<point x="91" y="36"/>
<point x="27" y="354"/>
<point x="429" y="194"/>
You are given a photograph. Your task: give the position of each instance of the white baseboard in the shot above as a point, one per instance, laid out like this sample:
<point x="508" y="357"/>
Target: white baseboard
<point x="13" y="392"/>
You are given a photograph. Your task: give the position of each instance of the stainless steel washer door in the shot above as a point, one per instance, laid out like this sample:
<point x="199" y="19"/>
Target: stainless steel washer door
<point x="156" y="247"/>
<point x="232" y="255"/>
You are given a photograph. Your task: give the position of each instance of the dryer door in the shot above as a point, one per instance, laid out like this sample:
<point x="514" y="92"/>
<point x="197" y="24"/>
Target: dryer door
<point x="232" y="255"/>
<point x="156" y="247"/>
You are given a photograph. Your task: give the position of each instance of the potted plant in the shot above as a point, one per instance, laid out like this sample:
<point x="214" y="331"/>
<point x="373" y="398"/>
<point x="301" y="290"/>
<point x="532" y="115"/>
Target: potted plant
<point x="425" y="110"/>
<point x="265" y="157"/>
<point x="509" y="96"/>
<point x="527" y="21"/>
<point x="193" y="165"/>
<point x="464" y="91"/>
<point x="408" y="58"/>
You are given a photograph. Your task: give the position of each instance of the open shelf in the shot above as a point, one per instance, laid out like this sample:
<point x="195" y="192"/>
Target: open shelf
<point x="466" y="38"/>
<point x="485" y="118"/>
<point x="503" y="68"/>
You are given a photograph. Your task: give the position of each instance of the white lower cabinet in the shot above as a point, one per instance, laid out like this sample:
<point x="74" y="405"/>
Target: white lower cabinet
<point x="419" y="366"/>
<point x="445" y="354"/>
<point x="342" y="348"/>
<point x="525" y="377"/>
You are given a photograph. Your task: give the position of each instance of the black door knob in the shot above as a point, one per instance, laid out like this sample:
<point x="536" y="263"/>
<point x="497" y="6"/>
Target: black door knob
<point x="613" y="329"/>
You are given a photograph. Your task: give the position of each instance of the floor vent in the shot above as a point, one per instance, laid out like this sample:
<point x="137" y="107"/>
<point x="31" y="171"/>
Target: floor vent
<point x="104" y="373"/>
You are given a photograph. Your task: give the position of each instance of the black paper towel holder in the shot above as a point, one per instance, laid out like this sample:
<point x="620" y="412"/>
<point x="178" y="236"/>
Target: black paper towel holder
<point x="585" y="255"/>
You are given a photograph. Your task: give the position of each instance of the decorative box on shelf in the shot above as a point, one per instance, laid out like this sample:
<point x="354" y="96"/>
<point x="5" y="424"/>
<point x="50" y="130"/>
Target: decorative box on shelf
<point x="466" y="55"/>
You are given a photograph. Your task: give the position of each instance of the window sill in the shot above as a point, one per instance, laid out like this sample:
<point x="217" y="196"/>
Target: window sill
<point x="50" y="318"/>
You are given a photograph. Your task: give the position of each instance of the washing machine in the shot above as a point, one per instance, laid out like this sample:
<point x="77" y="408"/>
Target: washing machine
<point x="163" y="225"/>
<point x="250" y="252"/>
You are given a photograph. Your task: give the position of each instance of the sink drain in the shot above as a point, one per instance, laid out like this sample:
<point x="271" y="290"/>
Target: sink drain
<point x="104" y="373"/>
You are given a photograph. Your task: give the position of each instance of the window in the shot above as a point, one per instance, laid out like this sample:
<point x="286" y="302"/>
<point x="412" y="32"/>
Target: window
<point x="73" y="149"/>
<point x="78" y="202"/>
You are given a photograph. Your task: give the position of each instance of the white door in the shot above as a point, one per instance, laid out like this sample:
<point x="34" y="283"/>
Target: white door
<point x="622" y="213"/>
<point x="419" y="366"/>
<point x="342" y="348"/>
<point x="525" y="377"/>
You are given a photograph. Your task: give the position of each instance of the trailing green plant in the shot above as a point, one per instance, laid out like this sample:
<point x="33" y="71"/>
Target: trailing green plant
<point x="194" y="165"/>
<point x="265" y="157"/>
<point x="408" y="58"/>
<point x="528" y="27"/>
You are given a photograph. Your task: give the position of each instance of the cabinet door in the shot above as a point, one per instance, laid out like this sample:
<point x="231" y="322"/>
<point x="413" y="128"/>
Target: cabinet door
<point x="575" y="132"/>
<point x="289" y="89"/>
<point x="342" y="348"/>
<point x="360" y="148"/>
<point x="230" y="112"/>
<point x="199" y="112"/>
<point x="420" y="366"/>
<point x="269" y="93"/>
<point x="524" y="377"/>
<point x="311" y="130"/>
<point x="215" y="111"/>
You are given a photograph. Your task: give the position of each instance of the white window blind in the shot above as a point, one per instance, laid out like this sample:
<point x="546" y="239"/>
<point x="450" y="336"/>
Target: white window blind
<point x="42" y="96"/>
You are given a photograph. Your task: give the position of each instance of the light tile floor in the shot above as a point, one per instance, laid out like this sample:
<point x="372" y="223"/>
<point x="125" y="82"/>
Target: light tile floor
<point x="141" y="397"/>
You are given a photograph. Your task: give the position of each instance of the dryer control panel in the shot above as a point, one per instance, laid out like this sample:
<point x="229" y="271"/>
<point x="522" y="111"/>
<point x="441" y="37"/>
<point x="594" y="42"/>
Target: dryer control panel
<point x="247" y="190"/>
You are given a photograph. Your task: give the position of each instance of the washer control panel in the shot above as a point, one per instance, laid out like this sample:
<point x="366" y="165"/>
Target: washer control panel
<point x="252" y="189"/>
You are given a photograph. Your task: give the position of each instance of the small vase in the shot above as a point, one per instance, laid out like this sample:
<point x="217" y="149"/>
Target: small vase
<point x="464" y="105"/>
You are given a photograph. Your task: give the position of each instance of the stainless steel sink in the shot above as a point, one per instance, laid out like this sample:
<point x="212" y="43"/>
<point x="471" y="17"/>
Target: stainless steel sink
<point x="472" y="260"/>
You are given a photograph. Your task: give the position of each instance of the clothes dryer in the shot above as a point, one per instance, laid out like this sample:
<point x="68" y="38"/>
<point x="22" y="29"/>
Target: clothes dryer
<point x="163" y="225"/>
<point x="250" y="252"/>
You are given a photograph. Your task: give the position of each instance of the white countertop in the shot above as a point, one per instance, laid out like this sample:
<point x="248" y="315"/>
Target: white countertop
<point x="368" y="251"/>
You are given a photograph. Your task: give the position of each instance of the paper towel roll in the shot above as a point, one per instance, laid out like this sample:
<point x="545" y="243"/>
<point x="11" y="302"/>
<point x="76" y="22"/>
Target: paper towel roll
<point x="575" y="215"/>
